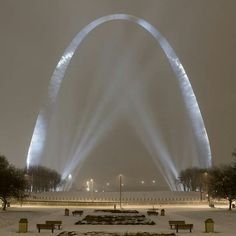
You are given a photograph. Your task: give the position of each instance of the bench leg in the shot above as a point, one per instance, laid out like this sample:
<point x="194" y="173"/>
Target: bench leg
<point x="39" y="230"/>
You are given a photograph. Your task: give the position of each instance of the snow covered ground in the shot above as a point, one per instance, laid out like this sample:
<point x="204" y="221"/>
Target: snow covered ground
<point x="225" y="221"/>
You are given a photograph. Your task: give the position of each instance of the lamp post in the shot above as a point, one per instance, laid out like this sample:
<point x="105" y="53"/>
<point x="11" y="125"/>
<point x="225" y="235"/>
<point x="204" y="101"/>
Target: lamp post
<point x="207" y="187"/>
<point x="92" y="182"/>
<point x="204" y="185"/>
<point x="32" y="183"/>
<point x="87" y="186"/>
<point x="200" y="189"/>
<point x="120" y="181"/>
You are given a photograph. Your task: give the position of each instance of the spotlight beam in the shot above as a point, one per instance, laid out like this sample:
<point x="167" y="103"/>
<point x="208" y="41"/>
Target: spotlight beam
<point x="144" y="125"/>
<point x="98" y="120"/>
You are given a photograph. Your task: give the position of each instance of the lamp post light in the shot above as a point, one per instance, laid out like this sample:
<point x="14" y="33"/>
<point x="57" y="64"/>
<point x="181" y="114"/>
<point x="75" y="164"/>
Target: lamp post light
<point x="69" y="177"/>
<point x="154" y="183"/>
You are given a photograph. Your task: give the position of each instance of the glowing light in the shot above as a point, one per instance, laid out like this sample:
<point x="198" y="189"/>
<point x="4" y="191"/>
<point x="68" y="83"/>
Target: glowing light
<point x="87" y="186"/>
<point x="39" y="134"/>
<point x="88" y="142"/>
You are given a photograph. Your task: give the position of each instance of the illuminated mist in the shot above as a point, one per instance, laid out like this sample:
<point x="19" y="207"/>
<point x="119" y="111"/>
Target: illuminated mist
<point x="133" y="104"/>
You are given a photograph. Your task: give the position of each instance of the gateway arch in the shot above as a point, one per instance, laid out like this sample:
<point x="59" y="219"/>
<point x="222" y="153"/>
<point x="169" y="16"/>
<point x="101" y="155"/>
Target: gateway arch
<point x="192" y="107"/>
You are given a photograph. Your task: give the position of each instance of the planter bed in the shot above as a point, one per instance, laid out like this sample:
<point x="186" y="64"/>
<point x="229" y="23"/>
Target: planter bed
<point x="117" y="211"/>
<point x="73" y="233"/>
<point x="115" y="220"/>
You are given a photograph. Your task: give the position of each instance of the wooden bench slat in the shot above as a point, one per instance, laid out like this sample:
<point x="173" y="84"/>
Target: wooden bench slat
<point x="184" y="226"/>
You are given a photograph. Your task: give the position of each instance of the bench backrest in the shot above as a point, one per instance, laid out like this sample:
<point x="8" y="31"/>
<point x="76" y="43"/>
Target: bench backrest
<point x="175" y="222"/>
<point x="45" y="226"/>
<point x="59" y="222"/>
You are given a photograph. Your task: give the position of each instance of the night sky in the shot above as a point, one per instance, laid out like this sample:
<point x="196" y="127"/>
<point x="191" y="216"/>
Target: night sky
<point x="34" y="35"/>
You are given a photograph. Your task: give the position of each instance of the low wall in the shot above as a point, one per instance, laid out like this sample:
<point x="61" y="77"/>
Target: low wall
<point x="111" y="198"/>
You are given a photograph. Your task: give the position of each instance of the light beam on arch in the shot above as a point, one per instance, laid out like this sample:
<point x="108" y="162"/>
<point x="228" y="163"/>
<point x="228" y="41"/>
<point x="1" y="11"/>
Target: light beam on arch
<point x="39" y="134"/>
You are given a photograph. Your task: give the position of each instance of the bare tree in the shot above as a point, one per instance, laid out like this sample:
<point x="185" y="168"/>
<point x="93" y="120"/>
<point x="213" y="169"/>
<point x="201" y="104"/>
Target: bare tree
<point x="222" y="183"/>
<point x="193" y="179"/>
<point x="12" y="181"/>
<point x="42" y="179"/>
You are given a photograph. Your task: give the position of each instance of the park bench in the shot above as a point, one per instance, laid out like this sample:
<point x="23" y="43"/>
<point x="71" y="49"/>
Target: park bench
<point x="176" y="222"/>
<point x="76" y="212"/>
<point x="45" y="226"/>
<point x="57" y="223"/>
<point x="184" y="226"/>
<point x="152" y="212"/>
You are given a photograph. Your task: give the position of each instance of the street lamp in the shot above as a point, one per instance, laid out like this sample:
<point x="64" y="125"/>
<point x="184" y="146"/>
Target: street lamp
<point x="206" y="186"/>
<point x="203" y="185"/>
<point x="87" y="186"/>
<point x="120" y="180"/>
<point x="92" y="183"/>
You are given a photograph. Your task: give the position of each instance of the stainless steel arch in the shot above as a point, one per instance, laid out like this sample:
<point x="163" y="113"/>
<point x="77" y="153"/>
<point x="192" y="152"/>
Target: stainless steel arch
<point x="39" y="134"/>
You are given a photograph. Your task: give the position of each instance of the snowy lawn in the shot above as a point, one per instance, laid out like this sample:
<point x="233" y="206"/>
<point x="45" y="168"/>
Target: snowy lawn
<point x="225" y="221"/>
